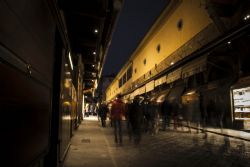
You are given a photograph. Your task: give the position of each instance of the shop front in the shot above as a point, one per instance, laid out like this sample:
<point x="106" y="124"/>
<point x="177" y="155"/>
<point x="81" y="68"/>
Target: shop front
<point x="190" y="101"/>
<point x="240" y="102"/>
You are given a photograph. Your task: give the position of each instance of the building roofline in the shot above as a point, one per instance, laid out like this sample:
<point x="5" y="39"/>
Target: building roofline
<point x="160" y="21"/>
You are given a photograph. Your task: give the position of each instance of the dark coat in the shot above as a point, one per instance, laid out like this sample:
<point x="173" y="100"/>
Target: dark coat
<point x="135" y="114"/>
<point x="103" y="110"/>
<point x="166" y="108"/>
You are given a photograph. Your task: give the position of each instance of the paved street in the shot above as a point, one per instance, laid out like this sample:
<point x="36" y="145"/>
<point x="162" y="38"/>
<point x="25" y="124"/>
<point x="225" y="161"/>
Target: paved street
<point x="93" y="146"/>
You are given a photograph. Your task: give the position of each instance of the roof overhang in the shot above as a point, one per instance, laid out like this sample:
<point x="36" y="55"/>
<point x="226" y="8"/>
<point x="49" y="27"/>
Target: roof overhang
<point x="90" y="25"/>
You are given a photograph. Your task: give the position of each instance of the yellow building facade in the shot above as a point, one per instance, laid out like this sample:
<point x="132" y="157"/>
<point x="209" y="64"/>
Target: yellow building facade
<point x="176" y="34"/>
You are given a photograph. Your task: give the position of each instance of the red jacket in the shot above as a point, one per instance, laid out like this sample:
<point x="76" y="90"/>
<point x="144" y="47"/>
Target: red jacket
<point x="117" y="109"/>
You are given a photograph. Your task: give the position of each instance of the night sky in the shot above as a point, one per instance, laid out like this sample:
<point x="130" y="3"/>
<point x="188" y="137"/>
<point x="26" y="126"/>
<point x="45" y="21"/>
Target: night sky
<point x="135" y="20"/>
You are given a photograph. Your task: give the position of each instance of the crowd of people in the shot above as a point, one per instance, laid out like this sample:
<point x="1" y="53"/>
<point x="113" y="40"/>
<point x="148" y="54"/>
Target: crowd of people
<point x="142" y="116"/>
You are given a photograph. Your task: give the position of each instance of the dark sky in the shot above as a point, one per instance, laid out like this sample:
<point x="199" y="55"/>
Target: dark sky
<point x="136" y="18"/>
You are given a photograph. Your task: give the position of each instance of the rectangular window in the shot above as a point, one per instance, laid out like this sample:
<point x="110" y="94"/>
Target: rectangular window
<point x="129" y="73"/>
<point x="124" y="78"/>
<point x="120" y="82"/>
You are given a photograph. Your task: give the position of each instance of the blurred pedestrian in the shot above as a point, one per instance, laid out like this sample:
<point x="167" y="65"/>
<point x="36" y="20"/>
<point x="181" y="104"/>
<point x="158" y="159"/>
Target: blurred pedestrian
<point x="146" y="114"/>
<point x="136" y="118"/>
<point x="204" y="115"/>
<point x="102" y="112"/>
<point x="128" y="121"/>
<point x="155" y="117"/>
<point x="166" y="111"/>
<point x="117" y="112"/>
<point x="175" y="113"/>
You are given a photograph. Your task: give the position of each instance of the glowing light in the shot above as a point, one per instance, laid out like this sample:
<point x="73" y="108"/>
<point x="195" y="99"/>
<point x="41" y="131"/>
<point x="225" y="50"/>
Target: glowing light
<point x="67" y="83"/>
<point x="66" y="118"/>
<point x="96" y="31"/>
<point x="70" y="60"/>
<point x="247" y="17"/>
<point x="172" y="63"/>
<point x="66" y="103"/>
<point x="229" y="42"/>
<point x="190" y="93"/>
<point x="94" y="53"/>
<point x="93" y="65"/>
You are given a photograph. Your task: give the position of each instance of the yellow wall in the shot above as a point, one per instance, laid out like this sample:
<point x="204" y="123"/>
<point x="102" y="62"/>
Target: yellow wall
<point x="195" y="19"/>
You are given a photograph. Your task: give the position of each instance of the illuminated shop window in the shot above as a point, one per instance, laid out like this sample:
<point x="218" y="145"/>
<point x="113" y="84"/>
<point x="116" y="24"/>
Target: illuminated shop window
<point x="241" y="103"/>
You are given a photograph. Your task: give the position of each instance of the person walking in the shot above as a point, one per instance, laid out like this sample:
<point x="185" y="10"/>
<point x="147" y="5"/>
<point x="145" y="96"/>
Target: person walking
<point x="136" y="119"/>
<point x="146" y="114"/>
<point x="166" y="112"/>
<point x="155" y="117"/>
<point x="117" y="112"/>
<point x="103" y="110"/>
<point x="128" y="121"/>
<point x="175" y="109"/>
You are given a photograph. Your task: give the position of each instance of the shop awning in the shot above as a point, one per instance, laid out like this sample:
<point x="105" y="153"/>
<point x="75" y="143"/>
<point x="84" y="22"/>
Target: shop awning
<point x="141" y="90"/>
<point x="160" y="96"/>
<point x="190" y="96"/>
<point x="126" y="97"/>
<point x="131" y="96"/>
<point x="150" y="86"/>
<point x="173" y="76"/>
<point x="194" y="67"/>
<point x="160" y="81"/>
<point x="152" y="98"/>
<point x="175" y="93"/>
<point x="134" y="93"/>
<point x="192" y="91"/>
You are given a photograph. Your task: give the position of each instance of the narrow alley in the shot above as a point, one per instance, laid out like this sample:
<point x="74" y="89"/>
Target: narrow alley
<point x="171" y="76"/>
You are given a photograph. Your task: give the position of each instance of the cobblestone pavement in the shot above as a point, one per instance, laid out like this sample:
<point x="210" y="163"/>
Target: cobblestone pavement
<point x="168" y="148"/>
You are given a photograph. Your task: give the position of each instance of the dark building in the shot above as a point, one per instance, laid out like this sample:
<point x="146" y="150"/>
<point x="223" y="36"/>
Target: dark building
<point x="50" y="52"/>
